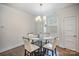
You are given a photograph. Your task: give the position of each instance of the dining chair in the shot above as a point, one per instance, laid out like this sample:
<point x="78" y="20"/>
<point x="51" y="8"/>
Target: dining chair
<point x="51" y="46"/>
<point x="32" y="35"/>
<point x="30" y="48"/>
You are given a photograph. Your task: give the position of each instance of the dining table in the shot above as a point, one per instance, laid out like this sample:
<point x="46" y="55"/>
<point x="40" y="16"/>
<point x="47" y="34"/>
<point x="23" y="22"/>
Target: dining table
<point x="41" y="39"/>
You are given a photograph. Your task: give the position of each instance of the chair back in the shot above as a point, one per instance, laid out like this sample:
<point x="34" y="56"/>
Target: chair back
<point x="55" y="43"/>
<point x="27" y="43"/>
<point x="32" y="35"/>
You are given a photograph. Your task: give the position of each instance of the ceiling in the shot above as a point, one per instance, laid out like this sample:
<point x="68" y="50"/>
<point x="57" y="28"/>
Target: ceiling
<point x="35" y="8"/>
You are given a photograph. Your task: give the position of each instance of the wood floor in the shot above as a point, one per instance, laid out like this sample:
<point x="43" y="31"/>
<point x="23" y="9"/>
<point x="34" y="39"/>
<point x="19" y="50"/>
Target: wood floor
<point x="19" y="51"/>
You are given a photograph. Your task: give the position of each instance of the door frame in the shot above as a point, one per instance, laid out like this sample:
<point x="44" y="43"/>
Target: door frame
<point x="76" y="30"/>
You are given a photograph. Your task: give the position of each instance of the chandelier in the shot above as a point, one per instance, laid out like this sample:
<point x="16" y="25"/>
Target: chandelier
<point x="40" y="18"/>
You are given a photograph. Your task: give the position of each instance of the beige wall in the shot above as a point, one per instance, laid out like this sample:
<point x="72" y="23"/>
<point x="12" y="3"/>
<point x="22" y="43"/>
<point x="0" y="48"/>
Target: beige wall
<point x="14" y="24"/>
<point x="69" y="11"/>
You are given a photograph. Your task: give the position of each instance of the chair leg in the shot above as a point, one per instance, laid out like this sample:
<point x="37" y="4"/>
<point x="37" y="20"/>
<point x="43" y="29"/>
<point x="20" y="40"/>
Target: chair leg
<point x="46" y="42"/>
<point x="44" y="50"/>
<point x="55" y="52"/>
<point x="30" y="54"/>
<point x="25" y="53"/>
<point x="52" y="53"/>
<point x="38" y="52"/>
<point x="47" y="51"/>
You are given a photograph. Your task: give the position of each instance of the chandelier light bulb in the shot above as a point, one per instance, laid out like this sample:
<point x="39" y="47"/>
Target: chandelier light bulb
<point x="38" y="18"/>
<point x="44" y="17"/>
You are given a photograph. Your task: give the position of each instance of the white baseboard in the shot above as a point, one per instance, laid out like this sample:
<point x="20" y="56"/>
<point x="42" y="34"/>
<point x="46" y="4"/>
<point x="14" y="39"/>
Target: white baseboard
<point x="8" y="48"/>
<point x="67" y="48"/>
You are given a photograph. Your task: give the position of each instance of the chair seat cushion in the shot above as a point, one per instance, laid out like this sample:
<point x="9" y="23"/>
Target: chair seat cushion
<point x="31" y="47"/>
<point x="49" y="46"/>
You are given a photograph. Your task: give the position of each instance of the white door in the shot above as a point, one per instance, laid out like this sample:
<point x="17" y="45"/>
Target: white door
<point x="70" y="32"/>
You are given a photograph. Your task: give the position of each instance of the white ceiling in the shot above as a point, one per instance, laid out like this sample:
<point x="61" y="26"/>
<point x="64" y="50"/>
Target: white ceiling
<point x="35" y="8"/>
